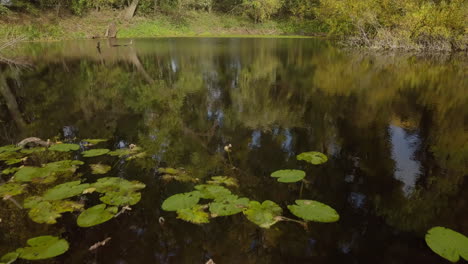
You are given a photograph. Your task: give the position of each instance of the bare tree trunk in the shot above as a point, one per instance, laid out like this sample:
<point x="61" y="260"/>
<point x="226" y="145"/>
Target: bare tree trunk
<point x="11" y="103"/>
<point x="130" y="10"/>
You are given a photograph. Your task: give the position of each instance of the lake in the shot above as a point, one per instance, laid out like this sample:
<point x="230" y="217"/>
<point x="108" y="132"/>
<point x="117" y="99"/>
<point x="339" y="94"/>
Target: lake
<point x="393" y="125"/>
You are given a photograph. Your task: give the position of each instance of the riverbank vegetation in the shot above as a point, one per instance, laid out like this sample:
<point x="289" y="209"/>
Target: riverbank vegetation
<point x="389" y="24"/>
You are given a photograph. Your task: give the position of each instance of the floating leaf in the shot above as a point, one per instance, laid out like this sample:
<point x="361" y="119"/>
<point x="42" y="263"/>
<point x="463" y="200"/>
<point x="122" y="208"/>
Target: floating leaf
<point x="46" y="212"/>
<point x="181" y="178"/>
<point x="212" y="191"/>
<point x="33" y="150"/>
<point x="94" y="152"/>
<point x="10" y="170"/>
<point x="228" y="181"/>
<point x="447" y="243"/>
<point x="288" y="175"/>
<point x="9" y="258"/>
<point x="132" y="153"/>
<point x="94" y="141"/>
<point x="194" y="214"/>
<point x="313" y="157"/>
<point x="43" y="247"/>
<point x="310" y="210"/>
<point x="121" y="152"/>
<point x="65" y="190"/>
<point x="11" y="157"/>
<point x="99" y="168"/>
<point x="48" y="173"/>
<point x="264" y="215"/>
<point x="170" y="171"/>
<point x="230" y="205"/>
<point x="96" y="215"/>
<point x="118" y="191"/>
<point x="121" y="198"/>
<point x="13" y="161"/>
<point x="181" y="201"/>
<point x="11" y="189"/>
<point x="9" y="148"/>
<point x="64" y="147"/>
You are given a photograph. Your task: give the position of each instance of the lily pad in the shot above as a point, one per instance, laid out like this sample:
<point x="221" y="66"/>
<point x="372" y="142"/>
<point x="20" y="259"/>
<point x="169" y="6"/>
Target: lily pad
<point x="230" y="205"/>
<point x="10" y="170"/>
<point x="313" y="157"/>
<point x="220" y="180"/>
<point x="212" y="191"/>
<point x="194" y="214"/>
<point x="170" y="171"/>
<point x="9" y="258"/>
<point x="116" y="184"/>
<point x="265" y="214"/>
<point x="181" y="201"/>
<point x="33" y="150"/>
<point x="99" y="168"/>
<point x="94" y="152"/>
<point x="11" y="157"/>
<point x="43" y="247"/>
<point x="94" y="141"/>
<point x="13" y="161"/>
<point x="310" y="210"/>
<point x="121" y="198"/>
<point x="48" y="173"/>
<point x="65" y="190"/>
<point x="46" y="212"/>
<point x="96" y="215"/>
<point x="9" y="148"/>
<point x="64" y="147"/>
<point x="11" y="189"/>
<point x="288" y="176"/>
<point x="447" y="243"/>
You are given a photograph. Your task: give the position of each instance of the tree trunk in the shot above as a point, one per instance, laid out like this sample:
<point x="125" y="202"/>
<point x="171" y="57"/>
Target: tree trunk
<point x="130" y="10"/>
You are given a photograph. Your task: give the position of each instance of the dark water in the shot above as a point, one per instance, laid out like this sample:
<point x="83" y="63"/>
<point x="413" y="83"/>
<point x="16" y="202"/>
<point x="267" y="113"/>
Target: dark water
<point x="393" y="125"/>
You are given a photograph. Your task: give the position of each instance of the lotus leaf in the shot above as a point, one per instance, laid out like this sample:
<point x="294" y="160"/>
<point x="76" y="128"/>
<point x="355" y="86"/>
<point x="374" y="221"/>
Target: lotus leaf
<point x="43" y="247"/>
<point x="230" y="205"/>
<point x="194" y="214"/>
<point x="181" y="201"/>
<point x="228" y="181"/>
<point x="94" y="141"/>
<point x="48" y="211"/>
<point x="9" y="258"/>
<point x="288" y="176"/>
<point x="64" y="147"/>
<point x="212" y="191"/>
<point x="447" y="243"/>
<point x="121" y="198"/>
<point x="310" y="210"/>
<point x="11" y="189"/>
<point x="96" y="215"/>
<point x="9" y="148"/>
<point x="94" y="152"/>
<point x="265" y="214"/>
<point x="99" y="168"/>
<point x="313" y="157"/>
<point x="65" y="190"/>
<point x="115" y="184"/>
<point x="10" y="170"/>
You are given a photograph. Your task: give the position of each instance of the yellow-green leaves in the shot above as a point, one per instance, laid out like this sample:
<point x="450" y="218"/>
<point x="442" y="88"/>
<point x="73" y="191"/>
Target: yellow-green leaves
<point x="99" y="168"/>
<point x="447" y="243"/>
<point x="11" y="189"/>
<point x="229" y="205"/>
<point x="181" y="201"/>
<point x="313" y="157"/>
<point x="288" y="176"/>
<point x="310" y="210"/>
<point x="194" y="214"/>
<point x="263" y="214"/>
<point x="96" y="215"/>
<point x="46" y="212"/>
<point x="223" y="180"/>
<point x="212" y="191"/>
<point x="65" y="190"/>
<point x="94" y="152"/>
<point x="43" y="247"/>
<point x="64" y="147"/>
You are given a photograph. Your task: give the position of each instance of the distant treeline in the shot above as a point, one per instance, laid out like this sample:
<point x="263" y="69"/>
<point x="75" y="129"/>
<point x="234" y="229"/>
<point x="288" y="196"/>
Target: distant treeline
<point x="383" y="24"/>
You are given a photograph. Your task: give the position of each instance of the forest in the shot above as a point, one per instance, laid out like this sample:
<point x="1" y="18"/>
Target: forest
<point x="388" y="24"/>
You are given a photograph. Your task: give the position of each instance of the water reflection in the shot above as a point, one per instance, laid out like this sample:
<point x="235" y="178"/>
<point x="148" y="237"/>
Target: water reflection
<point x="183" y="100"/>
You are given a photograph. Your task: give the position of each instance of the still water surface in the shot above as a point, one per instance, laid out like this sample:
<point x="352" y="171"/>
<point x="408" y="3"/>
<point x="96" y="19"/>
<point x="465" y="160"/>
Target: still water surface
<point x="393" y="125"/>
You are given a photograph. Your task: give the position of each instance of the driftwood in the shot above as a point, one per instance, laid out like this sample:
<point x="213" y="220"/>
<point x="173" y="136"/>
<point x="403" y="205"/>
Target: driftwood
<point x="33" y="142"/>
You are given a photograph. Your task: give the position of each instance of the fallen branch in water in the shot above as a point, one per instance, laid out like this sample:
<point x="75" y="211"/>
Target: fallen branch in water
<point x="99" y="244"/>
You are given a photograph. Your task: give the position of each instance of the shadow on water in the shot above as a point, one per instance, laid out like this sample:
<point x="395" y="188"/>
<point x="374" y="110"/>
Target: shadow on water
<point x="393" y="125"/>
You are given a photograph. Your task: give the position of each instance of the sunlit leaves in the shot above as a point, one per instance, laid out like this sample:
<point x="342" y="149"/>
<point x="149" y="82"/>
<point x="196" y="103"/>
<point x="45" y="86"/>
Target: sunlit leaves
<point x="447" y="243"/>
<point x="194" y="214"/>
<point x="99" y="168"/>
<point x="310" y="210"/>
<point x="96" y="215"/>
<point x="230" y="205"/>
<point x="46" y="212"/>
<point x="177" y="175"/>
<point x="223" y="180"/>
<point x="130" y="153"/>
<point x="65" y="190"/>
<point x="64" y="147"/>
<point x="48" y="173"/>
<point x="181" y="201"/>
<point x="43" y="247"/>
<point x="11" y="189"/>
<point x="94" y="141"/>
<point x="263" y="214"/>
<point x="9" y="148"/>
<point x="9" y="258"/>
<point x="288" y="176"/>
<point x="94" y="152"/>
<point x="212" y="191"/>
<point x="118" y="191"/>
<point x="313" y="157"/>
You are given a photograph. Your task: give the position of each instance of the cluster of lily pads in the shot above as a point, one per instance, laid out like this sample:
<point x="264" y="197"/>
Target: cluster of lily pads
<point x="213" y="200"/>
<point x="52" y="200"/>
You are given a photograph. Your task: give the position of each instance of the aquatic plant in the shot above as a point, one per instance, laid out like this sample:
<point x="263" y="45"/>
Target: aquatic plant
<point x="447" y="243"/>
<point x="42" y="247"/>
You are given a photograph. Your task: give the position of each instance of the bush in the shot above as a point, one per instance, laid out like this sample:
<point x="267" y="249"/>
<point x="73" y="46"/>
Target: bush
<point x="261" y="10"/>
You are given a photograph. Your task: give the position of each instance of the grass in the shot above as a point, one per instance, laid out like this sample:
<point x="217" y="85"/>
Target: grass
<point x="191" y="24"/>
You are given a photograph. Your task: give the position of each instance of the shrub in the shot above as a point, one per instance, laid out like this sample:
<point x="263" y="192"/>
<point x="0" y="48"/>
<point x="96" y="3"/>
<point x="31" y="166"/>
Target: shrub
<point x="261" y="10"/>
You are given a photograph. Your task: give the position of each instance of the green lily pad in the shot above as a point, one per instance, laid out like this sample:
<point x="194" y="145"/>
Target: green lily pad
<point x="181" y="201"/>
<point x="33" y="150"/>
<point x="99" y="168"/>
<point x="230" y="205"/>
<point x="9" y="148"/>
<point x="9" y="258"/>
<point x="288" y="176"/>
<point x="96" y="215"/>
<point x="169" y="171"/>
<point x="265" y="214"/>
<point x="13" y="161"/>
<point x="212" y="191"/>
<point x="65" y="190"/>
<point x="121" y="198"/>
<point x="94" y="152"/>
<point x="43" y="247"/>
<point x="10" y="170"/>
<point x="310" y="210"/>
<point x="313" y="157"/>
<point x="48" y="173"/>
<point x="46" y="212"/>
<point x="64" y="147"/>
<point x="11" y="157"/>
<point x="447" y="243"/>
<point x="194" y="214"/>
<point x="11" y="189"/>
<point x="94" y="141"/>
<point x="220" y="180"/>
<point x="116" y="184"/>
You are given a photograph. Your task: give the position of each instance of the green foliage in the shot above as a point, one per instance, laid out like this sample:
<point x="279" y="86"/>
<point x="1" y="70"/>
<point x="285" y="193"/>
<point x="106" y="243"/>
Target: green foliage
<point x="43" y="247"/>
<point x="261" y="10"/>
<point x="181" y="201"/>
<point x="223" y="180"/>
<point x="96" y="215"/>
<point x="194" y="214"/>
<point x="313" y="157"/>
<point x="94" y="152"/>
<point x="447" y="243"/>
<point x="99" y="168"/>
<point x="65" y="190"/>
<point x="314" y="211"/>
<point x="47" y="212"/>
<point x="11" y="189"/>
<point x="118" y="191"/>
<point x="94" y="141"/>
<point x="9" y="258"/>
<point x="263" y="214"/>
<point x="64" y="147"/>
<point x="288" y="176"/>
<point x="212" y="191"/>
<point x="48" y="173"/>
<point x="229" y="205"/>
